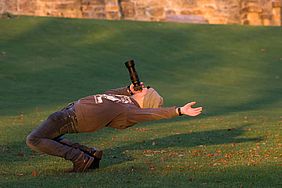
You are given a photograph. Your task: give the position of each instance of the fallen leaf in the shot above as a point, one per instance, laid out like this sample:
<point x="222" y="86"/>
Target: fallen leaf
<point x="210" y="154"/>
<point x="34" y="173"/>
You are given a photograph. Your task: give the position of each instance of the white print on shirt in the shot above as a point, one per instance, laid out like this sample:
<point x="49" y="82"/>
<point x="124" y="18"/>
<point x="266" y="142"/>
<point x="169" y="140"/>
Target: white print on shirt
<point x="115" y="98"/>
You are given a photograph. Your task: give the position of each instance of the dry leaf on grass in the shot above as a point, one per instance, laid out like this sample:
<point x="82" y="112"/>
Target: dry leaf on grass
<point x="34" y="173"/>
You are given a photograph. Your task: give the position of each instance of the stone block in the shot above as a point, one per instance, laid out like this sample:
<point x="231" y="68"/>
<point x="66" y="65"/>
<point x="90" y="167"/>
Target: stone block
<point x="156" y="12"/>
<point x="197" y="12"/>
<point x="62" y="6"/>
<point x="252" y="9"/>
<point x="266" y="16"/>
<point x="186" y="12"/>
<point x="11" y="6"/>
<point x="277" y="16"/>
<point x="188" y="3"/>
<point x="86" y="8"/>
<point x="218" y="20"/>
<point x="276" y="4"/>
<point x="210" y="6"/>
<point x="128" y="9"/>
<point x="125" y="1"/>
<point x="112" y="8"/>
<point x="92" y="2"/>
<point x="85" y="14"/>
<point x="99" y="15"/>
<point x="254" y="19"/>
<point x="170" y="12"/>
<point x="85" y="2"/>
<point x="140" y="12"/>
<point x="98" y="9"/>
<point x="97" y="2"/>
<point x="266" y="19"/>
<point x="112" y="15"/>
<point x="26" y="6"/>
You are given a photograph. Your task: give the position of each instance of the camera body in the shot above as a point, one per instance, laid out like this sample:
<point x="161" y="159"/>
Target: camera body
<point x="130" y="65"/>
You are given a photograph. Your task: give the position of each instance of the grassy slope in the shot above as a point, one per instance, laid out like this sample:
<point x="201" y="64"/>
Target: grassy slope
<point x="235" y="72"/>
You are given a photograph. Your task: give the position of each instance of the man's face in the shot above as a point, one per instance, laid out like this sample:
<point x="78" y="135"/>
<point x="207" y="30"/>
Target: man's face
<point x="141" y="93"/>
<point x="148" y="98"/>
<point x="151" y="99"/>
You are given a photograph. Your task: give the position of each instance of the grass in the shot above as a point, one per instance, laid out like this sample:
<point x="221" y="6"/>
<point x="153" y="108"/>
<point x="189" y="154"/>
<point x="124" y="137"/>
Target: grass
<point x="234" y="72"/>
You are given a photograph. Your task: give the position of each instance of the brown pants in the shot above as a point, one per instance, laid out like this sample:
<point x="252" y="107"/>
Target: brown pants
<point x="47" y="138"/>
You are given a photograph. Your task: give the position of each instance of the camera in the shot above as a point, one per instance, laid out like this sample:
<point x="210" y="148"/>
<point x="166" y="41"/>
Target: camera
<point x="130" y="65"/>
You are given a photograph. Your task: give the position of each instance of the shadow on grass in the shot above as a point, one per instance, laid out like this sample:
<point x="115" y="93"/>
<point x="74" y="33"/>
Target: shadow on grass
<point x="214" y="137"/>
<point x="18" y="151"/>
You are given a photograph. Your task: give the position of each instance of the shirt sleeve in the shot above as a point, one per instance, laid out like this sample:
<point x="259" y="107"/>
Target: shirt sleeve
<point x="138" y="115"/>
<point x="118" y="91"/>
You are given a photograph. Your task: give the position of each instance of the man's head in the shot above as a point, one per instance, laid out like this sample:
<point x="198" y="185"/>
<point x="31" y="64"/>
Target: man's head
<point x="148" y="98"/>
<point x="152" y="99"/>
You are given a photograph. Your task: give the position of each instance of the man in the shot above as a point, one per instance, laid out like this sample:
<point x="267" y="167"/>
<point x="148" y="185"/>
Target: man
<point x="118" y="108"/>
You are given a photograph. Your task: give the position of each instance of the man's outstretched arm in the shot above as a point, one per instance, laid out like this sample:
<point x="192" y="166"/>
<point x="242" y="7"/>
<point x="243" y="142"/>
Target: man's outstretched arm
<point x="137" y="115"/>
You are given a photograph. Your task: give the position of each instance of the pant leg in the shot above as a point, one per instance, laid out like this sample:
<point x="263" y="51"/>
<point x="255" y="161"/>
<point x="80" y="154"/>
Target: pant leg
<point x="83" y="148"/>
<point x="42" y="138"/>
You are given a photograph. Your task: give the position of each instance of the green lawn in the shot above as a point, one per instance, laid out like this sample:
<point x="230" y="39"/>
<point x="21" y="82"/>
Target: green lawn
<point x="234" y="72"/>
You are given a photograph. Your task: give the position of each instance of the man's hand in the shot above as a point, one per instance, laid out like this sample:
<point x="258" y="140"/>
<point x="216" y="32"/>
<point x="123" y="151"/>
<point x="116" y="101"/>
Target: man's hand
<point x="132" y="88"/>
<point x="189" y="111"/>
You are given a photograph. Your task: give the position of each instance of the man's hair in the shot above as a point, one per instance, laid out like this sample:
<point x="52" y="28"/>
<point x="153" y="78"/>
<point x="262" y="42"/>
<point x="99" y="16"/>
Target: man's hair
<point x="152" y="99"/>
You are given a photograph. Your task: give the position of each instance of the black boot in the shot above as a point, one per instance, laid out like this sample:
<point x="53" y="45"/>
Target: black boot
<point x="97" y="155"/>
<point x="82" y="163"/>
<point x="93" y="152"/>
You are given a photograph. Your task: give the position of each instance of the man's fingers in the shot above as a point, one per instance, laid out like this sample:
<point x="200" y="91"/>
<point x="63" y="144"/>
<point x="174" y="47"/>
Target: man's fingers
<point x="189" y="110"/>
<point x="198" y="109"/>
<point x="195" y="111"/>
<point x="191" y="103"/>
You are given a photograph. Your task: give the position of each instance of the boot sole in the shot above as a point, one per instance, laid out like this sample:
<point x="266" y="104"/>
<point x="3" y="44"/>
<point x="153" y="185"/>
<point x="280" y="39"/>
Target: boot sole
<point x="86" y="167"/>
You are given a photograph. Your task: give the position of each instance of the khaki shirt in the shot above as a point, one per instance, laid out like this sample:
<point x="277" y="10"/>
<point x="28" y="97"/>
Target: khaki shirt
<point x="115" y="108"/>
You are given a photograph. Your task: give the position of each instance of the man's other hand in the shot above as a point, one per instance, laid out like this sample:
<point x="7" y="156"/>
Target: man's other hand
<point x="132" y="88"/>
<point x="189" y="111"/>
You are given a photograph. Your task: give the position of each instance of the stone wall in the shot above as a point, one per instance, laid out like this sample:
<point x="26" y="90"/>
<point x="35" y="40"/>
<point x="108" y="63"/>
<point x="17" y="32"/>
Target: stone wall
<point x="249" y="12"/>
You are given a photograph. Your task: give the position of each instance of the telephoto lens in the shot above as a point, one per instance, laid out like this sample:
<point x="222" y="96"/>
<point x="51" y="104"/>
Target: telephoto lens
<point x="130" y="65"/>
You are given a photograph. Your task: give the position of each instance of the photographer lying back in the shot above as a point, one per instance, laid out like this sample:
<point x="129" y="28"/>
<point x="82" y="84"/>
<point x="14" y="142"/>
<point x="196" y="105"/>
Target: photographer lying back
<point x="117" y="108"/>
